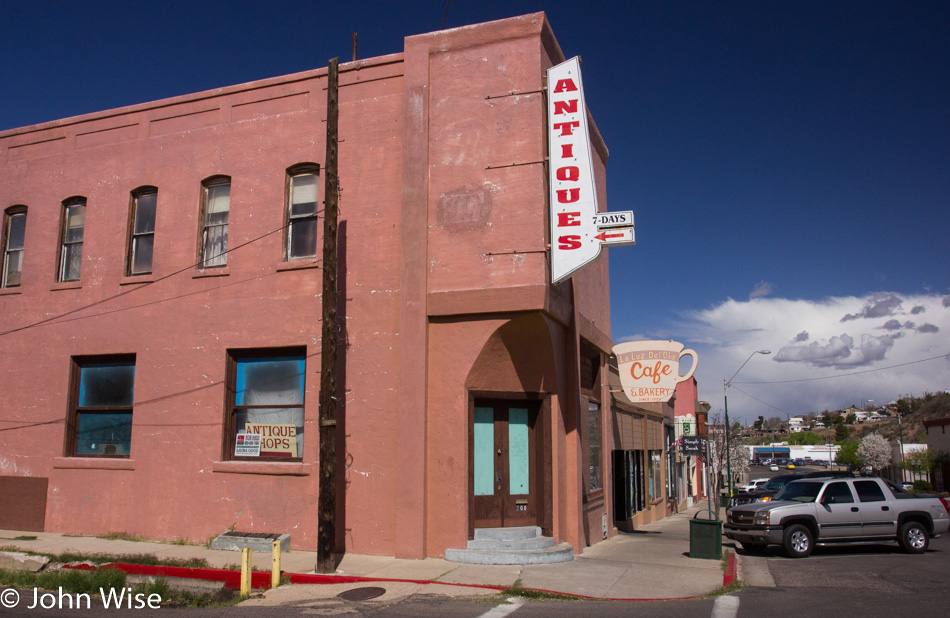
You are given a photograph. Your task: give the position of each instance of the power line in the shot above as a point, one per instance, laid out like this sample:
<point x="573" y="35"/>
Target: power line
<point x="188" y="268"/>
<point x="759" y="400"/>
<point x="843" y="375"/>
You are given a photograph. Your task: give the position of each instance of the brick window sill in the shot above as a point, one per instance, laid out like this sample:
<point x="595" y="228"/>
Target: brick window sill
<point x="212" y="272"/>
<point x="273" y="468"/>
<point x="93" y="463"/>
<point x="297" y="265"/>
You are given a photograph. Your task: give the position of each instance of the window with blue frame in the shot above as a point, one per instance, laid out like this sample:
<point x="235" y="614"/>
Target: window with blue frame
<point x="266" y="405"/>
<point x="100" y="423"/>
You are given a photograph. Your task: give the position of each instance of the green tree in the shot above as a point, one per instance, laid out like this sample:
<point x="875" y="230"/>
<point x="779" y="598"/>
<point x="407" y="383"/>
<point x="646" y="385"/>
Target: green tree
<point x="841" y="430"/>
<point x="919" y="462"/>
<point x="805" y="437"/>
<point x="848" y="455"/>
<point x="851" y="419"/>
<point x="758" y="424"/>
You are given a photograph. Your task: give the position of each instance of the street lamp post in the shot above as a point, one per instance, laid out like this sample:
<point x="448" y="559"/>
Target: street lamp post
<point x="725" y="405"/>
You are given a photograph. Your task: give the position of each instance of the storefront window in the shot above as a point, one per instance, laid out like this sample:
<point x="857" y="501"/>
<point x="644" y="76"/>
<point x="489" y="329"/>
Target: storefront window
<point x="595" y="481"/>
<point x="266" y="414"/>
<point x="653" y="475"/>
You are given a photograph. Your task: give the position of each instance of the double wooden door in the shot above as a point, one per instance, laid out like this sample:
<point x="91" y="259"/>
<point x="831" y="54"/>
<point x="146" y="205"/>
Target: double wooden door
<point x="505" y="473"/>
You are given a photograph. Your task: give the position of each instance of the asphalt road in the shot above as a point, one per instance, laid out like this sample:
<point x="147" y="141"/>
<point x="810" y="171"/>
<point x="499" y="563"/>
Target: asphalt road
<point x="865" y="580"/>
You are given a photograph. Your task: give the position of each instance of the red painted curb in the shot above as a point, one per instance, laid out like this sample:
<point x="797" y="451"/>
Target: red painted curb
<point x="262" y="579"/>
<point x="731" y="567"/>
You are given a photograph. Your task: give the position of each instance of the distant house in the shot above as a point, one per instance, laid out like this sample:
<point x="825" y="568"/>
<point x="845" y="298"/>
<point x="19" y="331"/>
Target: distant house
<point x="797" y="424"/>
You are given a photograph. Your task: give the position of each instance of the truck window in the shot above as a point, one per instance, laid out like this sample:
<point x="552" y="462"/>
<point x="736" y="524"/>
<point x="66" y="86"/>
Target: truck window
<point x="839" y="491"/>
<point x="869" y="491"/>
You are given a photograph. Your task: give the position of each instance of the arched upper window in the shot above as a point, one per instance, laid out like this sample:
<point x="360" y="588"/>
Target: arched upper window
<point x="300" y="237"/>
<point x="215" y="209"/>
<point x="14" y="234"/>
<point x="142" y="207"/>
<point x="73" y="226"/>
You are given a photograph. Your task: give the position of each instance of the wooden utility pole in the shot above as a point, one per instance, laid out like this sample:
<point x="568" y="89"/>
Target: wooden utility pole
<point x="326" y="529"/>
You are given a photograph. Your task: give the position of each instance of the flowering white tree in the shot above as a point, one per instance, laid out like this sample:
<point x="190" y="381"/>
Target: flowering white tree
<point x="738" y="456"/>
<point x="874" y="451"/>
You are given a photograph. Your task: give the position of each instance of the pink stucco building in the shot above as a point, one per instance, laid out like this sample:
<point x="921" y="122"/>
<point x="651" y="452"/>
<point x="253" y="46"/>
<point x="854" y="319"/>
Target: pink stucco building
<point x="162" y="297"/>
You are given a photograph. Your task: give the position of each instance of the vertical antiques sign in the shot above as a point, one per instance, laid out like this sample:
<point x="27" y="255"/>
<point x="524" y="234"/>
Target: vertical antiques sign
<point x="650" y="370"/>
<point x="572" y="192"/>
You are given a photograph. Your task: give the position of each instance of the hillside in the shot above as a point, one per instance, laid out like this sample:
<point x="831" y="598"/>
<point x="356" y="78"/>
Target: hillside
<point x="911" y="425"/>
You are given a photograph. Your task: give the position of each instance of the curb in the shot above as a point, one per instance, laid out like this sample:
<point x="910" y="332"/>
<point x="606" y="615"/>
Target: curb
<point x="262" y="579"/>
<point x="731" y="567"/>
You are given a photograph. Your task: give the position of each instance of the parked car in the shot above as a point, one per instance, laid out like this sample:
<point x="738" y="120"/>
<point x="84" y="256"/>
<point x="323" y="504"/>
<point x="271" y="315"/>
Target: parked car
<point x="766" y="491"/>
<point x="827" y="510"/>
<point x="752" y="485"/>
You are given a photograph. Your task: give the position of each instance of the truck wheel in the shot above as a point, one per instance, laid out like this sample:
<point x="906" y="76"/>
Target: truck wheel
<point x="798" y="541"/>
<point x="913" y="538"/>
<point x="754" y="548"/>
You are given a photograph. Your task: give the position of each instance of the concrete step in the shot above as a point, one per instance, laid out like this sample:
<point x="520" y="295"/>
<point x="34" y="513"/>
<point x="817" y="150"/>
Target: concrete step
<point x="558" y="553"/>
<point x="508" y="534"/>
<point x="538" y="542"/>
<point x="521" y="545"/>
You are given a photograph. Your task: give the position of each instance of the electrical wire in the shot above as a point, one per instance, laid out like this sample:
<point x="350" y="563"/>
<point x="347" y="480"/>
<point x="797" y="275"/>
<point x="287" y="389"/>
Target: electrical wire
<point x="144" y="285"/>
<point x="842" y="375"/>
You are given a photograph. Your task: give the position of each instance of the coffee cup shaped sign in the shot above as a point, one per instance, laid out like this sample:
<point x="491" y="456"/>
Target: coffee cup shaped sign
<point x="649" y="370"/>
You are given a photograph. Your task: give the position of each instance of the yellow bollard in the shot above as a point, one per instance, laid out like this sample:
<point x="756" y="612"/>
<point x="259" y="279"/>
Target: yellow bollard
<point x="246" y="569"/>
<point x="275" y="565"/>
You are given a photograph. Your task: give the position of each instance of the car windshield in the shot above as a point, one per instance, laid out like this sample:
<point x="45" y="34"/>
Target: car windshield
<point x="776" y="482"/>
<point x="801" y="491"/>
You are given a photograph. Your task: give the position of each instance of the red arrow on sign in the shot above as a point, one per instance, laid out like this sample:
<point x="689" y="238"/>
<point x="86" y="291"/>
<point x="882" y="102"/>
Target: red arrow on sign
<point x="616" y="236"/>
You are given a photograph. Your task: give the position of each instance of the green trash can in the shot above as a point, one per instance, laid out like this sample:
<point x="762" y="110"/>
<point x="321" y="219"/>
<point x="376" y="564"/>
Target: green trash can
<point x="705" y="538"/>
<point x="724" y="500"/>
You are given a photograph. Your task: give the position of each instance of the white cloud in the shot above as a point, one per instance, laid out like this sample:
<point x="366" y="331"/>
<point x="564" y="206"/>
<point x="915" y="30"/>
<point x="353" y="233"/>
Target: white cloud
<point x="762" y="288"/>
<point x="819" y="360"/>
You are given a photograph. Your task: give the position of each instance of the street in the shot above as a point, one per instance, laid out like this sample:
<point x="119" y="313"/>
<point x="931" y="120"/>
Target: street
<point x="867" y="580"/>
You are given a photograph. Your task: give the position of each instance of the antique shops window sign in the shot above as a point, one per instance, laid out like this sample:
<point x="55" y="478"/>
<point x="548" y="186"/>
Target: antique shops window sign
<point x="577" y="230"/>
<point x="650" y="370"/>
<point x="267" y="440"/>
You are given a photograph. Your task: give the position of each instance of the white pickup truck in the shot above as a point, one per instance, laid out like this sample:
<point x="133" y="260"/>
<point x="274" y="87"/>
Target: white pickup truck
<point x="825" y="511"/>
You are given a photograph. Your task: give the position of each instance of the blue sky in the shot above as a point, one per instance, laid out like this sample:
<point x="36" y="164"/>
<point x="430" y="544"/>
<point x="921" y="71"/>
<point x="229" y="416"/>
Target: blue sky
<point x="788" y="163"/>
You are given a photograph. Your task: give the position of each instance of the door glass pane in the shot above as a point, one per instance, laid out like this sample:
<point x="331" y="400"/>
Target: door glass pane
<point x="484" y="451"/>
<point x="518" y="463"/>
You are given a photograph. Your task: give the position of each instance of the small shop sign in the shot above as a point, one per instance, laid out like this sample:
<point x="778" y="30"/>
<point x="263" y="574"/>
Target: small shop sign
<point x="247" y="445"/>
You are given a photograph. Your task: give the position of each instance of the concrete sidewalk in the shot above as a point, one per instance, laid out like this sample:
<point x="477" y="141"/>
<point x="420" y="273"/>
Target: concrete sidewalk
<point x="651" y="563"/>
